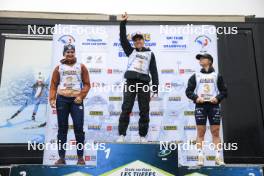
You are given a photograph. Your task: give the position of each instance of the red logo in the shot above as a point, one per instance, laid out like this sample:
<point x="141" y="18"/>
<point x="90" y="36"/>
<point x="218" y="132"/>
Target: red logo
<point x="181" y="71"/>
<point x="109" y="71"/>
<point x="109" y="128"/>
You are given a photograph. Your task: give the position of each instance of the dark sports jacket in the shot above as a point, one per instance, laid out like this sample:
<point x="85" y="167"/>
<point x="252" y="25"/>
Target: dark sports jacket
<point x="128" y="49"/>
<point x="220" y="85"/>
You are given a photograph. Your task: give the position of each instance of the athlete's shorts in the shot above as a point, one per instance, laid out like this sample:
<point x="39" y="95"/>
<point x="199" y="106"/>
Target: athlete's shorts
<point x="207" y="110"/>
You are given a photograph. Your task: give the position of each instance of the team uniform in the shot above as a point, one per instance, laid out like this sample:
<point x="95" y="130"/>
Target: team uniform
<point x="141" y="63"/>
<point x="69" y="80"/>
<point x="206" y="84"/>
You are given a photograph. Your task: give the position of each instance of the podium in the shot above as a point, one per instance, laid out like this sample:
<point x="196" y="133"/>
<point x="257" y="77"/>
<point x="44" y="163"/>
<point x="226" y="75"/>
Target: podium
<point x="132" y="159"/>
<point x="124" y="159"/>
<point x="239" y="170"/>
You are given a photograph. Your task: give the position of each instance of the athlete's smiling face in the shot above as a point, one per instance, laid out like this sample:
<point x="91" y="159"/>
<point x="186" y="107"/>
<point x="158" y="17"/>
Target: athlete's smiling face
<point x="69" y="54"/>
<point x="139" y="43"/>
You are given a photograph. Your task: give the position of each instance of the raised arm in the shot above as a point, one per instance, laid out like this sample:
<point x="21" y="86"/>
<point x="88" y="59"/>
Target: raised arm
<point x="128" y="49"/>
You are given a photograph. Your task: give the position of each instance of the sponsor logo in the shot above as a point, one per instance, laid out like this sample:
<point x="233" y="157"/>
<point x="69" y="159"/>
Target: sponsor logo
<point x="97" y="84"/>
<point x="66" y="39"/>
<point x="186" y="71"/>
<point x="95" y="70"/>
<point x="190" y="127"/>
<point x="170" y="128"/>
<point x="133" y="128"/>
<point x="90" y="158"/>
<point x="203" y="41"/>
<point x="156" y="99"/>
<point x="164" y="153"/>
<point x="96" y="113"/>
<point x="115" y="98"/>
<point x="192" y="158"/>
<point x="122" y="54"/>
<point x="114" y="71"/>
<point x="94" y="42"/>
<point x="94" y="59"/>
<point x="137" y="168"/>
<point x="174" y="84"/>
<point x="115" y="113"/>
<point x="210" y="158"/>
<point x="73" y="142"/>
<point x="154" y="128"/>
<point x="174" y="98"/>
<point x="188" y="113"/>
<point x="167" y="71"/>
<point x="156" y="113"/>
<point x="71" y="157"/>
<point x="111" y="128"/>
<point x="94" y="127"/>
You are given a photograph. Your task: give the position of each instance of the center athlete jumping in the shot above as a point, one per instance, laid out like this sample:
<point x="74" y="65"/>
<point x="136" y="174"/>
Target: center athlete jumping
<point x="141" y="62"/>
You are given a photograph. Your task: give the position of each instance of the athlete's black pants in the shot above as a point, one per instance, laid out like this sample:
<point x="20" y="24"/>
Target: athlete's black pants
<point x="65" y="107"/>
<point x="142" y="90"/>
<point x="207" y="111"/>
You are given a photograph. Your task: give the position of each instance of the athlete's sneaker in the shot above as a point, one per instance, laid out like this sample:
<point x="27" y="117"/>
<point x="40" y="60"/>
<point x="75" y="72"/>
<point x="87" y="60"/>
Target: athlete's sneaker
<point x="60" y="161"/>
<point x="80" y="161"/>
<point x="219" y="161"/>
<point x="143" y="140"/>
<point x="121" y="139"/>
<point x="200" y="161"/>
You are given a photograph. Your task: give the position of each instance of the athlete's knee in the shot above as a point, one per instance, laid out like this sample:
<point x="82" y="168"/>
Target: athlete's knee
<point x="215" y="131"/>
<point x="201" y="132"/>
<point x="63" y="131"/>
<point x="144" y="114"/>
<point x="78" y="129"/>
<point x="124" y="117"/>
<point x="79" y="134"/>
<point x="144" y="118"/>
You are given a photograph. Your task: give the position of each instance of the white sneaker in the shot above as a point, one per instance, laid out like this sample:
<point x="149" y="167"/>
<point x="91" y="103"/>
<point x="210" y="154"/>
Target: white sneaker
<point x="143" y="140"/>
<point x="219" y="161"/>
<point x="121" y="139"/>
<point x="200" y="161"/>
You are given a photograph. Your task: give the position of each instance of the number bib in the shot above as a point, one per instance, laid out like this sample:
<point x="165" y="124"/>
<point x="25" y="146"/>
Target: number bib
<point x="206" y="85"/>
<point x="139" y="62"/>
